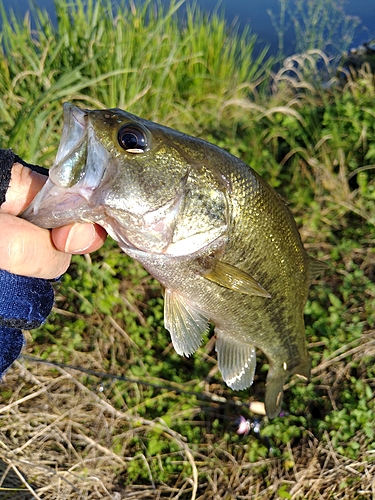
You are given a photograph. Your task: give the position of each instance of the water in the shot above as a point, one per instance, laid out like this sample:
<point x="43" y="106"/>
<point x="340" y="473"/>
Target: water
<point x="253" y="12"/>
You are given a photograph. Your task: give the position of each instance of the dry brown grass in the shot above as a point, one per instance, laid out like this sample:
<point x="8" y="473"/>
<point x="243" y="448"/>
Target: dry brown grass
<point x="62" y="439"/>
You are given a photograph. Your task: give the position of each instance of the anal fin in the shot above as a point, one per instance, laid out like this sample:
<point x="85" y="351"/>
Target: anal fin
<point x="185" y="322"/>
<point x="236" y="361"/>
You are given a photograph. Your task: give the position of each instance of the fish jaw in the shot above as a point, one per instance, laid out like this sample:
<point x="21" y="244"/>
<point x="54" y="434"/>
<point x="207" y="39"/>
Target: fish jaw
<point x="77" y="173"/>
<point x="55" y="206"/>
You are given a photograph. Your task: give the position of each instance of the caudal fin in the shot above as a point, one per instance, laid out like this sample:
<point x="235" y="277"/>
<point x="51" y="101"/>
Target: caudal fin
<point x="303" y="369"/>
<point x="274" y="393"/>
<point x="275" y="383"/>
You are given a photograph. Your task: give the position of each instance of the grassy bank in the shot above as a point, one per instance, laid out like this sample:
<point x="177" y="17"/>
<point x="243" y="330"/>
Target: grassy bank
<point x="163" y="426"/>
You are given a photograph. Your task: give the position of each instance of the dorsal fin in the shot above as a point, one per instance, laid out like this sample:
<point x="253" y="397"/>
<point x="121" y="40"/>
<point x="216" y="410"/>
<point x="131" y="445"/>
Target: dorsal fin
<point x="236" y="361"/>
<point x="233" y="278"/>
<point x="316" y="268"/>
<point x="185" y="322"/>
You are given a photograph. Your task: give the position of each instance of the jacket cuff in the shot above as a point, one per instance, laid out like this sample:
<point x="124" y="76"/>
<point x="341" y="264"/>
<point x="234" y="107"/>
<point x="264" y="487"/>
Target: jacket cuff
<point x="6" y="163"/>
<point x="11" y="344"/>
<point x="7" y="159"/>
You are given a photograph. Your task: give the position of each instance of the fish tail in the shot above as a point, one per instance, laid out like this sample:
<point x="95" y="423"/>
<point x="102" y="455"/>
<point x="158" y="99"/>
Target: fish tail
<point x="274" y="393"/>
<point x="275" y="384"/>
<point x="303" y="369"/>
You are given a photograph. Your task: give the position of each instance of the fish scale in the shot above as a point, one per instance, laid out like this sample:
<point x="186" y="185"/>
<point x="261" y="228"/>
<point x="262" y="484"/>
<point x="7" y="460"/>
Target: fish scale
<point x="218" y="238"/>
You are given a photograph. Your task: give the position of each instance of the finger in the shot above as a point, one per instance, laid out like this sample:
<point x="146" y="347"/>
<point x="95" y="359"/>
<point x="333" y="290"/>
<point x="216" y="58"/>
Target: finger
<point x="28" y="250"/>
<point x="23" y="187"/>
<point x="79" y="238"/>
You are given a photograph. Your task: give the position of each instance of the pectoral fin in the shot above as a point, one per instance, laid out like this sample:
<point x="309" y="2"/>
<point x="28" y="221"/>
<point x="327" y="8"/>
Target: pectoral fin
<point x="236" y="361"/>
<point x="233" y="278"/>
<point x="185" y="322"/>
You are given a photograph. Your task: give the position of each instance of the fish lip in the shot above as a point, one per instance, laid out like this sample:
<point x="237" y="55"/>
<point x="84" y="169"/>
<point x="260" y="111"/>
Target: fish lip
<point x="75" y="113"/>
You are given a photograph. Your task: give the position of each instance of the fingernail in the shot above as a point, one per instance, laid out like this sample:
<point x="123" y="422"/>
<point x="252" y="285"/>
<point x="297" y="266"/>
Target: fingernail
<point x="80" y="238"/>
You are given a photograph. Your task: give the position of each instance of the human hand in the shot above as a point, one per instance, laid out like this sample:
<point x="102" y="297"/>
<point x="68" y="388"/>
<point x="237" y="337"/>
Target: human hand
<point x="28" y="250"/>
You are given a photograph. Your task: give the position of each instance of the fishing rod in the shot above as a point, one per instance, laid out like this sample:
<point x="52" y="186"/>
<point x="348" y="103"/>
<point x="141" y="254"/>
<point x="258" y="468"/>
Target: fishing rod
<point x="255" y="407"/>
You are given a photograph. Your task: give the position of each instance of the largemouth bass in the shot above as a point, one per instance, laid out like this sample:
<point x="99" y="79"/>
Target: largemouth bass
<point x="218" y="238"/>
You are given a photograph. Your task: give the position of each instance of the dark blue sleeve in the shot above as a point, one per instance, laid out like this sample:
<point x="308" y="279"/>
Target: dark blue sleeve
<point x="24" y="302"/>
<point x="11" y="343"/>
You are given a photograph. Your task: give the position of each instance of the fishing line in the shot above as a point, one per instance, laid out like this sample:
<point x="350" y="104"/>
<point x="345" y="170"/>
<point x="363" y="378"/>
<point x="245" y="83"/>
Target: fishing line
<point x="103" y="375"/>
<point x="245" y="426"/>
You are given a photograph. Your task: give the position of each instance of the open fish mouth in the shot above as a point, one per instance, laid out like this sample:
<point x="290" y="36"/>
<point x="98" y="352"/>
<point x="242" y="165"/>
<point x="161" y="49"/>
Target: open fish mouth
<point x="76" y="173"/>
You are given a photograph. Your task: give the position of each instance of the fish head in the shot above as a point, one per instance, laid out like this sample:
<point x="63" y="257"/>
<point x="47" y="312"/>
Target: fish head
<point x="149" y="186"/>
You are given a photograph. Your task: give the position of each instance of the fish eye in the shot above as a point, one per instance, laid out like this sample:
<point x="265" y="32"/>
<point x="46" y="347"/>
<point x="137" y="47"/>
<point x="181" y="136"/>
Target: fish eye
<point x="132" y="138"/>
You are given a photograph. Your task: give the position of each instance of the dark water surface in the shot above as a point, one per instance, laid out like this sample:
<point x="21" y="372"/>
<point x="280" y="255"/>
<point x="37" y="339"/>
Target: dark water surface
<point x="253" y="12"/>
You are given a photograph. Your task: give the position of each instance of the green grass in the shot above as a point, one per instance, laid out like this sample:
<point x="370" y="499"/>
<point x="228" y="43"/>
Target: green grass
<point x="164" y="428"/>
<point x="141" y="60"/>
